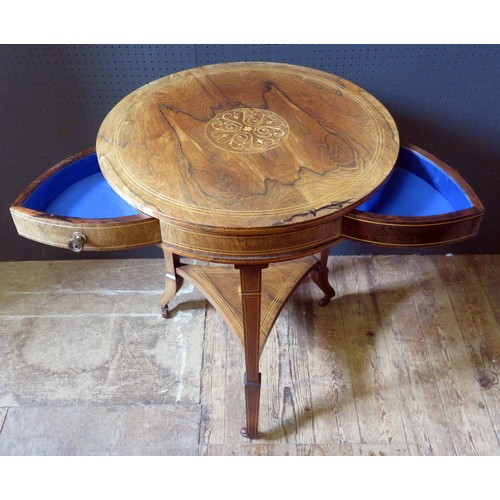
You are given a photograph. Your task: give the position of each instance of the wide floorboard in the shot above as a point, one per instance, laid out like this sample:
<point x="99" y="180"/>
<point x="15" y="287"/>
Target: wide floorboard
<point x="403" y="361"/>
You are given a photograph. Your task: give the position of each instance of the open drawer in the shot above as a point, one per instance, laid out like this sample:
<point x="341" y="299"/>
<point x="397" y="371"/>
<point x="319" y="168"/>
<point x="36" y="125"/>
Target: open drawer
<point x="72" y="206"/>
<point x="424" y="202"/>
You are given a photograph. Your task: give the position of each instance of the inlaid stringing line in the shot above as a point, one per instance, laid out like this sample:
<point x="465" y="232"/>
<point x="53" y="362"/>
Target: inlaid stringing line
<point x="300" y="270"/>
<point x="387" y="223"/>
<point x="86" y="225"/>
<point x="210" y="250"/>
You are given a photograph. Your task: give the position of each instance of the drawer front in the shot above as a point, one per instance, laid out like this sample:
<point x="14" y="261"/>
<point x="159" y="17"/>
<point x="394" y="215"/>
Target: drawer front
<point x="402" y="212"/>
<point x="130" y="230"/>
<point x="403" y="232"/>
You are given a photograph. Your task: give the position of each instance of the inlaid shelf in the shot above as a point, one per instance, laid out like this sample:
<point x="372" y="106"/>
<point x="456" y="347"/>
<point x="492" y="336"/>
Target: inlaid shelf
<point x="221" y="286"/>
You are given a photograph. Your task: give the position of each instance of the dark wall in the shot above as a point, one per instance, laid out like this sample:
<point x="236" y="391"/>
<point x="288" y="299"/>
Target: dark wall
<point x="53" y="98"/>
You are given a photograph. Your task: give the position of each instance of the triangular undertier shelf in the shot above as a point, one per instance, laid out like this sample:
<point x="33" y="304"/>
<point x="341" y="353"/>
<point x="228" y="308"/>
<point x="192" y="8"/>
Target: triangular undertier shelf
<point x="221" y="286"/>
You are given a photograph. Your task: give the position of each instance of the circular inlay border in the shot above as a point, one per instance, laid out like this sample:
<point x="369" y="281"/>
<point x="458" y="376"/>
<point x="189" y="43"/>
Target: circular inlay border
<point x="247" y="130"/>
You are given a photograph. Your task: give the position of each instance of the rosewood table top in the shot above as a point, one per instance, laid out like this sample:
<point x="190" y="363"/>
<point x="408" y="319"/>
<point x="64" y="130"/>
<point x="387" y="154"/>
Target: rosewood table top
<point x="247" y="145"/>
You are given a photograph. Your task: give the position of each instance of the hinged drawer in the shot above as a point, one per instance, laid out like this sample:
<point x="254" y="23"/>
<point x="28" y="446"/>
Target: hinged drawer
<point x="72" y="206"/>
<point x="424" y="202"/>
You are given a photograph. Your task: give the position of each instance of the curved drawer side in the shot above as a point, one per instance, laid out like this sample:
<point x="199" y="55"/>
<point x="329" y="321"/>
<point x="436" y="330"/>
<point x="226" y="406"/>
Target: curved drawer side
<point x="57" y="186"/>
<point x="442" y="209"/>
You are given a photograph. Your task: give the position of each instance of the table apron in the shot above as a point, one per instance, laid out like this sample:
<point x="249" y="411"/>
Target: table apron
<point x="250" y="246"/>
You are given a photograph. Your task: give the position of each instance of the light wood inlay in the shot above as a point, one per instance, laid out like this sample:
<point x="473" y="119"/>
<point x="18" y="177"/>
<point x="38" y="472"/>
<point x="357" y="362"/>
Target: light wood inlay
<point x="247" y="130"/>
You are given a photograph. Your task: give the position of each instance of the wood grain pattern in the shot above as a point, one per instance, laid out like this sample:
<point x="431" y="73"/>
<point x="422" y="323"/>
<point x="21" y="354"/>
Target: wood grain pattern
<point x="480" y="329"/>
<point x="221" y="399"/>
<point x="461" y="394"/>
<point x="341" y="144"/>
<point x="334" y="408"/>
<point x="372" y="374"/>
<point x="287" y="403"/>
<point x="243" y="302"/>
<point x="487" y="270"/>
<point x="215" y="389"/>
<point x="250" y="291"/>
<point x="120" y="233"/>
<point x="424" y="418"/>
<point x="297" y="399"/>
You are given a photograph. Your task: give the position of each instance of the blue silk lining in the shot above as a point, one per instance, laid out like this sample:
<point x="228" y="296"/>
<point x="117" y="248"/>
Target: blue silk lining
<point x="417" y="187"/>
<point x="79" y="190"/>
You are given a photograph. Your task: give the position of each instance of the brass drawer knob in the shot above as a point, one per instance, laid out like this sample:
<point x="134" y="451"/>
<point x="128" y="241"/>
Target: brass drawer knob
<point x="77" y="242"/>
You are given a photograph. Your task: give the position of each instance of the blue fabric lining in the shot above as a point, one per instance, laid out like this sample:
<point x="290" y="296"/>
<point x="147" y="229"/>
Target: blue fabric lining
<point x="417" y="187"/>
<point x="79" y="190"/>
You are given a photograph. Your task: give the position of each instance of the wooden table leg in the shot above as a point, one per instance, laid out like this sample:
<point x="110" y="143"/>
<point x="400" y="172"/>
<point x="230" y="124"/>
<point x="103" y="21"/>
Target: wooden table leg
<point x="251" y="279"/>
<point x="173" y="281"/>
<point x="320" y="277"/>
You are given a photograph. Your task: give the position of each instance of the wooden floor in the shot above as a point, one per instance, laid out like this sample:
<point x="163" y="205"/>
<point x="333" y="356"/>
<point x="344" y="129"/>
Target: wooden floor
<point x="404" y="361"/>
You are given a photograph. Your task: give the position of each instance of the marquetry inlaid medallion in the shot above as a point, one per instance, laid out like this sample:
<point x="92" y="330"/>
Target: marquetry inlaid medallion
<point x="247" y="130"/>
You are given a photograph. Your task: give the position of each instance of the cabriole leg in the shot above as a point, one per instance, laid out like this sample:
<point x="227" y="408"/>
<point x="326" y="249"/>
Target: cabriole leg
<point x="173" y="282"/>
<point x="320" y="277"/>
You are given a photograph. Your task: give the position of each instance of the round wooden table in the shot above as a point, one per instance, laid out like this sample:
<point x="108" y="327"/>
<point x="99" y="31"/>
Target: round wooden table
<point x="253" y="165"/>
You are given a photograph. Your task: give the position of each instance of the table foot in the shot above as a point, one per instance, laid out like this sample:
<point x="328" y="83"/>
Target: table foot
<point x="324" y="301"/>
<point x="252" y="396"/>
<point x="245" y="434"/>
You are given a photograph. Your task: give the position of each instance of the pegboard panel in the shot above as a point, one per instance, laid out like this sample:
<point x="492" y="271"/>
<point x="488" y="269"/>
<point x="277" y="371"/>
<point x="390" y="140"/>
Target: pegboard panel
<point x="60" y="94"/>
<point x="459" y="82"/>
<point x="53" y="100"/>
<point x="444" y="98"/>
